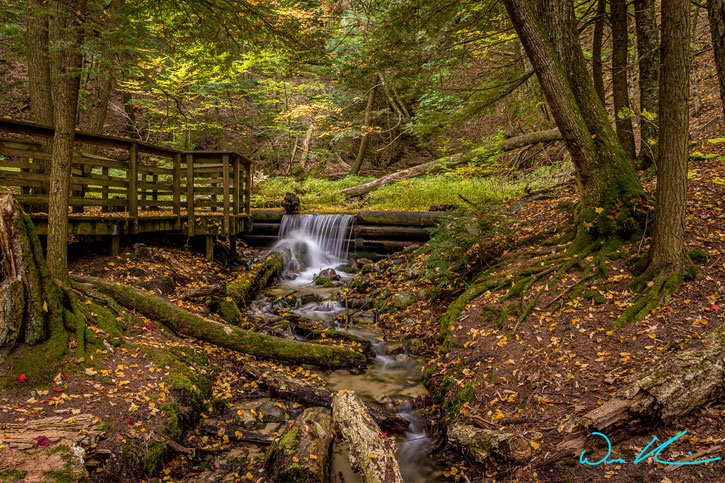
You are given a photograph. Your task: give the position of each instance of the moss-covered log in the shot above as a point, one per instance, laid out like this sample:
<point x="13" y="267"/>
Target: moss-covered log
<point x="186" y="323"/>
<point x="302" y="453"/>
<point x="481" y="444"/>
<point x="371" y="453"/>
<point x="246" y="286"/>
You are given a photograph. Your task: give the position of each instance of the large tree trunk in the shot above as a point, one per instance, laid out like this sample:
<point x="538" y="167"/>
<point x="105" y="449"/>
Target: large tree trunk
<point x="371" y="452"/>
<point x="452" y="161"/>
<point x="366" y="132"/>
<point x="597" y="37"/>
<point x="666" y="253"/>
<point x="649" y="77"/>
<point x="187" y="323"/>
<point x="620" y="81"/>
<point x="716" y="15"/>
<point x="608" y="183"/>
<point x="66" y="33"/>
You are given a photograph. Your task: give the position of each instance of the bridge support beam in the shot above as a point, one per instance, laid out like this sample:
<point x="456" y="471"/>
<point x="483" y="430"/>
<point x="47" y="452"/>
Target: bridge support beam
<point x="209" y="247"/>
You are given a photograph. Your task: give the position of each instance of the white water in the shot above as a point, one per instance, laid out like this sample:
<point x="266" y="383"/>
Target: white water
<point x="309" y="244"/>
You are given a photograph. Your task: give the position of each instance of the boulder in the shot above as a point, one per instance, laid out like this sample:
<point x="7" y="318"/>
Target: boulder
<point x="402" y="300"/>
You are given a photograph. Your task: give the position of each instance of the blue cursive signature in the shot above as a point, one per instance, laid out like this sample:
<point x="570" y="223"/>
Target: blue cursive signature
<point x="642" y="455"/>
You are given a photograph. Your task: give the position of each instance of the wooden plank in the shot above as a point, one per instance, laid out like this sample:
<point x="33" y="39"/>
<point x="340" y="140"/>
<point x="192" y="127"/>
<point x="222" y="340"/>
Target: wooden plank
<point x="20" y="144"/>
<point x="100" y="161"/>
<point x="190" y="193"/>
<point x="247" y="187"/>
<point x="169" y="171"/>
<point x="104" y="193"/>
<point x="17" y="163"/>
<point x="208" y="190"/>
<point x="99" y="181"/>
<point x="24" y="153"/>
<point x="132" y="184"/>
<point x="225" y="195"/>
<point x="176" y="184"/>
<point x="236" y="189"/>
<point x="155" y="203"/>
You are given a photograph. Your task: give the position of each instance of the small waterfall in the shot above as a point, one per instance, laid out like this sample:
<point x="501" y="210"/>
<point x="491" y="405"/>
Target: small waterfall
<point x="309" y="244"/>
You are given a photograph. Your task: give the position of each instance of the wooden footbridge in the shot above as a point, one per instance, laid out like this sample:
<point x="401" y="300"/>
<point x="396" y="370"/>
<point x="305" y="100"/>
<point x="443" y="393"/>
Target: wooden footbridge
<point x="133" y="188"/>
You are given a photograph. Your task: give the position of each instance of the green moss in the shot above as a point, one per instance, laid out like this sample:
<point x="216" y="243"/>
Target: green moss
<point x="288" y="443"/>
<point x="346" y="269"/>
<point x="465" y="395"/>
<point x="174" y="426"/>
<point x="12" y="475"/>
<point x="106" y="321"/>
<point x="156" y="452"/>
<point x="594" y="296"/>
<point x="229" y="311"/>
<point x="324" y="282"/>
<point x="57" y="449"/>
<point x="698" y="257"/>
<point x="296" y="473"/>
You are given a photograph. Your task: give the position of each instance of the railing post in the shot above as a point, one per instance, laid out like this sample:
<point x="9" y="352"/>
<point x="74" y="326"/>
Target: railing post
<point x="104" y="170"/>
<point x="190" y="193"/>
<point x="225" y="192"/>
<point x="248" y="187"/>
<point x="176" y="184"/>
<point x="133" y="185"/>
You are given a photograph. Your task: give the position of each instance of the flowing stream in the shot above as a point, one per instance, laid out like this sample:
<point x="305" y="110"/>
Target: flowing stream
<point x="312" y="245"/>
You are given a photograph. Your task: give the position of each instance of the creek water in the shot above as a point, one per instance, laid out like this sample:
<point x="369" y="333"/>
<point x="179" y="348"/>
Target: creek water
<point x="311" y="245"/>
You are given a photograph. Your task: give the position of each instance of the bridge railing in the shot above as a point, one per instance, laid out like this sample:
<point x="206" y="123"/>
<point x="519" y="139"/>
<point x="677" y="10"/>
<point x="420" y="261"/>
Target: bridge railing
<point x="133" y="180"/>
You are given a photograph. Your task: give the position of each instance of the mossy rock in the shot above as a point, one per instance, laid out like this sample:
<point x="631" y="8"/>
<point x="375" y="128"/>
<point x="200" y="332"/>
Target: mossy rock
<point x="698" y="257"/>
<point x="324" y="282"/>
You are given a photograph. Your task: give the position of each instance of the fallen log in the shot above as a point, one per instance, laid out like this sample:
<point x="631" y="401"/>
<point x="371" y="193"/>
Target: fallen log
<point x="186" y="323"/>
<point x="675" y="386"/>
<point x="481" y="444"/>
<point x="452" y="161"/>
<point x="371" y="452"/>
<point x="247" y="284"/>
<point x="302" y="452"/>
<point x="289" y="388"/>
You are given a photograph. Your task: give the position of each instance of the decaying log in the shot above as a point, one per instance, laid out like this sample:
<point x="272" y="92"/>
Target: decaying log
<point x="371" y="452"/>
<point x="43" y="448"/>
<point x="452" y="161"/>
<point x="203" y="291"/>
<point x="186" y="323"/>
<point x="247" y="284"/>
<point x="676" y="385"/>
<point x="481" y="444"/>
<point x="302" y="452"/>
<point x="289" y="388"/>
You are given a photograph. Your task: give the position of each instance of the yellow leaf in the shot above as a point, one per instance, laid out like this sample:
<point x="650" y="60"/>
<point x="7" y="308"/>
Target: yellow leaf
<point x="535" y="445"/>
<point x="295" y="459"/>
<point x="373" y="456"/>
<point x="313" y="457"/>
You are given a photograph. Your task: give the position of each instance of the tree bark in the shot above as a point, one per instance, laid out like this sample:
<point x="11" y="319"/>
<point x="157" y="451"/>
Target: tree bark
<point x="667" y="249"/>
<point x="371" y="453"/>
<point x="482" y="444"/>
<point x="302" y="452"/>
<point x="716" y="16"/>
<point x="607" y="181"/>
<point x="184" y="322"/>
<point x="696" y="99"/>
<point x="597" y="37"/>
<point x="620" y="81"/>
<point x="452" y="161"/>
<point x="366" y="132"/>
<point x="66" y="25"/>
<point x="649" y="77"/>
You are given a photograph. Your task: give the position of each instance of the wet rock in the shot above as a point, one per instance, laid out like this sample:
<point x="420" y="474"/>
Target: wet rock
<point x="402" y="357"/>
<point x="243" y="417"/>
<point x="291" y="202"/>
<point x="364" y="261"/>
<point x="408" y="323"/>
<point x="161" y="285"/>
<point x="363" y="287"/>
<point x="367" y="268"/>
<point x="363" y="318"/>
<point x="414" y="346"/>
<point x="310" y="298"/>
<point x="324" y="282"/>
<point x="402" y="300"/>
<point x="330" y="274"/>
<point x="272" y="411"/>
<point x="412" y="272"/>
<point x="395" y="348"/>
<point x="346" y="269"/>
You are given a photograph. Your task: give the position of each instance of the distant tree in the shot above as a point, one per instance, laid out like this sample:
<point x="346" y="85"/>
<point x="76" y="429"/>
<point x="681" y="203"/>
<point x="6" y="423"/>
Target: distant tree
<point x="597" y="38"/>
<point x="716" y="15"/>
<point x="648" y="58"/>
<point x="620" y="77"/>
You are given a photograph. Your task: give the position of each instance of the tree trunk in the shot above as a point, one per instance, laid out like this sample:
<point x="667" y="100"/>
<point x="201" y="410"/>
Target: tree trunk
<point x="452" y="161"/>
<point x="649" y="76"/>
<point x="620" y="82"/>
<point x="696" y="99"/>
<point x="481" y="444"/>
<point x="66" y="25"/>
<point x="187" y="323"/>
<point x="716" y="15"/>
<point x="667" y="250"/>
<point x="39" y="80"/>
<point x="371" y="452"/>
<point x="366" y="132"/>
<point x="302" y="452"/>
<point x="597" y="37"/>
<point x="607" y="181"/>
<point x="129" y="124"/>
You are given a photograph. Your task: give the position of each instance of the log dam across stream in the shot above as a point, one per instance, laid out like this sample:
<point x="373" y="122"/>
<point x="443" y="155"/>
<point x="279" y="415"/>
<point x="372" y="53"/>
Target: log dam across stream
<point x="371" y="231"/>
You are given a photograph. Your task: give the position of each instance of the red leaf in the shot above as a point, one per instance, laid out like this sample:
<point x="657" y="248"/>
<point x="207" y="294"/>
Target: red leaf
<point x="58" y="389"/>
<point x="63" y="376"/>
<point x="382" y="435"/>
<point x="22" y="378"/>
<point x="42" y="441"/>
<point x="150" y="326"/>
<point x="130" y="421"/>
<point x="715" y="307"/>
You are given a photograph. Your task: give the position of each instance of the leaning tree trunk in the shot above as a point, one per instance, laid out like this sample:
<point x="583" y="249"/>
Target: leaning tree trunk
<point x="607" y="181"/>
<point x="29" y="300"/>
<point x="66" y="33"/>
<point x="648" y="56"/>
<point x="366" y="132"/>
<point x="597" y="37"/>
<point x="716" y="16"/>
<point x="620" y="81"/>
